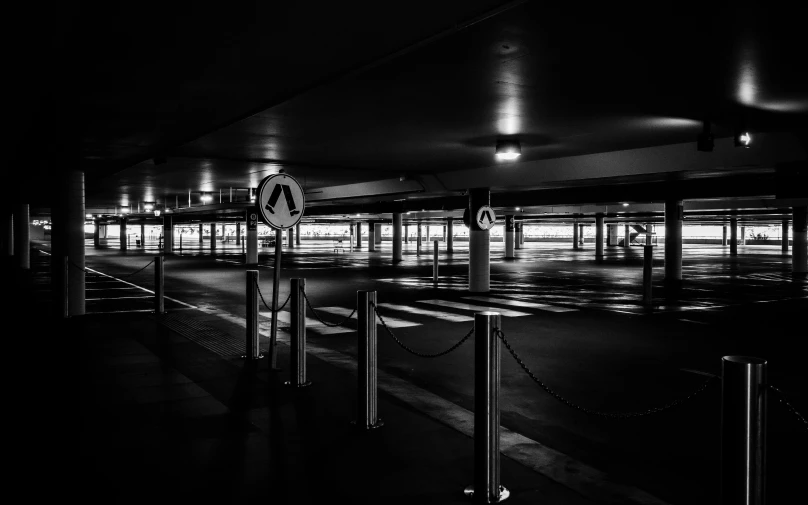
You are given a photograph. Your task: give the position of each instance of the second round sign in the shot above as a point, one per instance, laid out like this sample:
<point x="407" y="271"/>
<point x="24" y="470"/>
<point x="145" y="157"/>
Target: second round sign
<point x="280" y="201"/>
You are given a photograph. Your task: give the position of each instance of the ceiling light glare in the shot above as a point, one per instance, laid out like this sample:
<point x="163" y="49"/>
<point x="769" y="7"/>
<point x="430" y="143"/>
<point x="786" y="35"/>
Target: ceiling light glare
<point x="508" y="150"/>
<point x="625" y="205"/>
<point x="205" y="198"/>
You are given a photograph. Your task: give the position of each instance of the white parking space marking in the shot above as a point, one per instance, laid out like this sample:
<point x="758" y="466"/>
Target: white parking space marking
<point x="118" y="298"/>
<point x="475" y="308"/>
<point x="311" y="324"/>
<point x="445" y="316"/>
<point x="520" y="303"/>
<point x="392" y="322"/>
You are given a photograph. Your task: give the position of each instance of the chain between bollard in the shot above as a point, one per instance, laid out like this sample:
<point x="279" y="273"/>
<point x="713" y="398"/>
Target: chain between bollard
<point x="610" y="415"/>
<point x="330" y="325"/>
<point x="781" y="397"/>
<point x="265" y="303"/>
<point x="412" y="351"/>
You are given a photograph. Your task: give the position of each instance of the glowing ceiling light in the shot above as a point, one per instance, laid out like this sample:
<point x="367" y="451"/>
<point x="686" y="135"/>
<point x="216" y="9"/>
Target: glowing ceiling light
<point x="205" y="198"/>
<point x="508" y="149"/>
<point x="625" y="205"/>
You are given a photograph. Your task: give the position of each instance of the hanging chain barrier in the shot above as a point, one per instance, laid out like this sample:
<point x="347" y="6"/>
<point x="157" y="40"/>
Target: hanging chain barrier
<point x="330" y="325"/>
<point x="781" y="397"/>
<point x="610" y="415"/>
<point x="265" y="302"/>
<point x="412" y="351"/>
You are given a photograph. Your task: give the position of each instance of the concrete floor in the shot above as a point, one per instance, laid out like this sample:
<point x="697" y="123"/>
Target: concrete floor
<point x="583" y="332"/>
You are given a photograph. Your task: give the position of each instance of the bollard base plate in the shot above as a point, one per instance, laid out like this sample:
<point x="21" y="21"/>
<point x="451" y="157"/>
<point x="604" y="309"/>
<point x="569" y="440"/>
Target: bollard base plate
<point x="503" y="493"/>
<point x="379" y="424"/>
<point x="293" y="384"/>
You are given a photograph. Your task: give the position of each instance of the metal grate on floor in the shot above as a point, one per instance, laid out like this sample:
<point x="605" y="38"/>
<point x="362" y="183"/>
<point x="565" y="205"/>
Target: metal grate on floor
<point x="215" y="340"/>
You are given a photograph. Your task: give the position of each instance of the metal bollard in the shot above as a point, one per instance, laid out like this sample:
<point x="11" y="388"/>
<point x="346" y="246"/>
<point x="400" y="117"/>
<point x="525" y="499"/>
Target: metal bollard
<point x="486" y="487"/>
<point x="435" y="264"/>
<point x="366" y="402"/>
<point x="743" y="430"/>
<point x="647" y="276"/>
<point x="159" y="305"/>
<point x="65" y="291"/>
<point x="253" y="351"/>
<point x="298" y="337"/>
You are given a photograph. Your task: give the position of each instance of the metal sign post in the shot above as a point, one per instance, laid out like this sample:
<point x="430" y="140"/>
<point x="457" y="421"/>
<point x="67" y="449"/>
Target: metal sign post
<point x="280" y="202"/>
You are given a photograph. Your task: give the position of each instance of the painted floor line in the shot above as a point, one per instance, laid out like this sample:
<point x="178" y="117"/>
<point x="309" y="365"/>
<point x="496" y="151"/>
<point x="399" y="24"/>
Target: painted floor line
<point x="392" y="322"/>
<point x="586" y="480"/>
<point x="444" y="316"/>
<point x="139" y="287"/>
<point x="118" y="298"/>
<point x="520" y="303"/>
<point x="475" y="308"/>
<point x="311" y="324"/>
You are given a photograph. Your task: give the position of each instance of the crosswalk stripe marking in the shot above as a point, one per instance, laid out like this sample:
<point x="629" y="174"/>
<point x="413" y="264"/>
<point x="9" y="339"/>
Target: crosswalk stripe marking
<point x="520" y="303"/>
<point x="446" y="316"/>
<point x="311" y="324"/>
<point x="475" y="308"/>
<point x="392" y="322"/>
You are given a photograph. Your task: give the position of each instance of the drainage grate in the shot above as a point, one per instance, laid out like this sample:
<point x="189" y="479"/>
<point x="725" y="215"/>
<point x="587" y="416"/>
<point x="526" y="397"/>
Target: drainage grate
<point x="212" y="339"/>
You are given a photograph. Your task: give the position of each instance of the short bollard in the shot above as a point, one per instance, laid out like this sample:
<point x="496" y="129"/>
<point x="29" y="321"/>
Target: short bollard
<point x="65" y="291"/>
<point x="252" y="349"/>
<point x="486" y="487"/>
<point x="367" y="415"/>
<point x="435" y="264"/>
<point x="159" y="304"/>
<point x="298" y="337"/>
<point x="743" y="430"/>
<point x="647" y="276"/>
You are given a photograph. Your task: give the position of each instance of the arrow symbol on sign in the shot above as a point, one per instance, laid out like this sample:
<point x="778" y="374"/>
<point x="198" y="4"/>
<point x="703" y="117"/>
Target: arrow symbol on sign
<point x="486" y="216"/>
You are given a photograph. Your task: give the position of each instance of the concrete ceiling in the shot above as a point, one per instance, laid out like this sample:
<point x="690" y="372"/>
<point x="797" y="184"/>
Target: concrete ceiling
<point x="606" y="100"/>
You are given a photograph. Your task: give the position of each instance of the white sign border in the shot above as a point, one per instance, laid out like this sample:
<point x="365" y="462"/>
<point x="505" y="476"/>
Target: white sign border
<point x="260" y="190"/>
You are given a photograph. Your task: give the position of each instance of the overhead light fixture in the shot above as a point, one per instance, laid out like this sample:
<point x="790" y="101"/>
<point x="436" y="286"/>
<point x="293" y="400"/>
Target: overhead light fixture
<point x="742" y="138"/>
<point x="625" y="204"/>
<point x="508" y="149"/>
<point x="88" y="216"/>
<point x="148" y="207"/>
<point x="705" y="140"/>
<point x="205" y="198"/>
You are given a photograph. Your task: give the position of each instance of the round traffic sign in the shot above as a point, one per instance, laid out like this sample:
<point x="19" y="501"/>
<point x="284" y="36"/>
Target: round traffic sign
<point x="486" y="217"/>
<point x="280" y="201"/>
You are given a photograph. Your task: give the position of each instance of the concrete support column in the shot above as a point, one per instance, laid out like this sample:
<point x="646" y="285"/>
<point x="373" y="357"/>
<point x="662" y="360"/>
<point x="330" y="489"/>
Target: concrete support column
<point x="96" y="234"/>
<point x="297" y="234"/>
<point x="201" y="232"/>
<point x="22" y="236"/>
<point x="418" y="240"/>
<point x="449" y="237"/>
<point x="406" y="233"/>
<point x="784" y="241"/>
<point x="377" y="234"/>
<point x="212" y="236"/>
<point x="142" y="235"/>
<point x="396" y="237"/>
<point x="743" y="235"/>
<point x="581" y="234"/>
<point x="238" y="233"/>
<point x="371" y="237"/>
<point x="427" y="233"/>
<point x="799" y="253"/>
<point x="599" y="238"/>
<point x="627" y="236"/>
<point x="724" y="236"/>
<point x="674" y="219"/>
<point x="517" y="234"/>
<point x="509" y="237"/>
<point x="575" y="235"/>
<point x="68" y="240"/>
<point x="479" y="244"/>
<point x="358" y="235"/>
<point x="168" y="235"/>
<point x="290" y="238"/>
<point x="122" y="233"/>
<point x="733" y="236"/>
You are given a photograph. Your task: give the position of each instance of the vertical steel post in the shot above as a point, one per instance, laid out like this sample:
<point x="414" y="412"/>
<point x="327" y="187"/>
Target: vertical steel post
<point x="159" y="304"/>
<point x="367" y="415"/>
<point x="253" y="351"/>
<point x="65" y="291"/>
<point x="297" y="375"/>
<point x="743" y="430"/>
<point x="486" y="487"/>
<point x="647" y="275"/>
<point x="276" y="280"/>
<point x="435" y="264"/>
